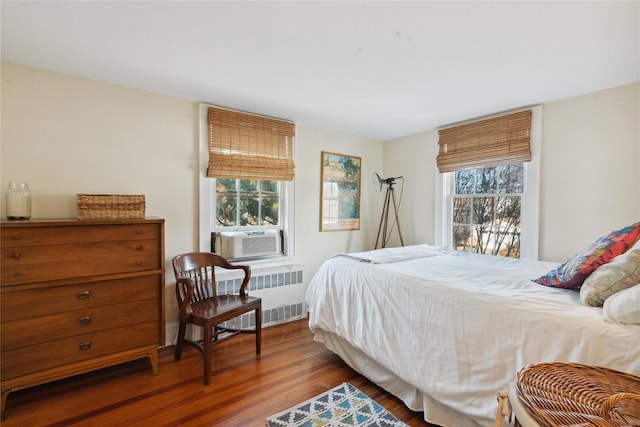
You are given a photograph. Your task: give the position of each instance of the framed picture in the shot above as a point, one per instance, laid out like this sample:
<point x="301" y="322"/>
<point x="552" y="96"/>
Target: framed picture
<point x="340" y="192"/>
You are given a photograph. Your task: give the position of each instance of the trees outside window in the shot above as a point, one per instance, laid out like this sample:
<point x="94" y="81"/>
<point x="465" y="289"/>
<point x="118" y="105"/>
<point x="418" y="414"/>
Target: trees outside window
<point x="486" y="204"/>
<point x="247" y="203"/>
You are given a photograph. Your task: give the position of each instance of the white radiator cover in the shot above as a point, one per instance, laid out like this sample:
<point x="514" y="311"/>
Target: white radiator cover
<point x="282" y="290"/>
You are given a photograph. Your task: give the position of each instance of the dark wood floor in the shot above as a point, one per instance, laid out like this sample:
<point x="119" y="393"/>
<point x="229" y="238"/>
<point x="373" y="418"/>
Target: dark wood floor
<point x="244" y="389"/>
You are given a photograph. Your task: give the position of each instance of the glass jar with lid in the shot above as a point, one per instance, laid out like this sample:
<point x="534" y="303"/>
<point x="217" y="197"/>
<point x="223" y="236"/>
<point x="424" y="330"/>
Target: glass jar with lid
<point x="18" y="201"/>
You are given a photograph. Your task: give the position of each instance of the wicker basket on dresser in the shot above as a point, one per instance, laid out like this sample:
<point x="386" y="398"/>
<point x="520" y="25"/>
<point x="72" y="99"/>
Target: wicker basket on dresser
<point x="78" y="295"/>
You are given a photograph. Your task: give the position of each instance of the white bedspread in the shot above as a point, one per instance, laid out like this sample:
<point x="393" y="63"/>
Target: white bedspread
<point x="458" y="326"/>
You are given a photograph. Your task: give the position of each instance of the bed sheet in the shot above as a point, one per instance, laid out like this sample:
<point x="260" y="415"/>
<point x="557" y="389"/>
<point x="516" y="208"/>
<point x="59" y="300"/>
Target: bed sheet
<point x="458" y="326"/>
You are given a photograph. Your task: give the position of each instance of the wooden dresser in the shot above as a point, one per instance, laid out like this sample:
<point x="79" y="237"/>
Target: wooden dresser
<point x="78" y="296"/>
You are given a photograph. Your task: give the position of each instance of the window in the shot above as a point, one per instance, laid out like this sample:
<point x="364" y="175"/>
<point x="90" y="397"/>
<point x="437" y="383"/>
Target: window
<point x="246" y="174"/>
<point x="488" y="204"/>
<point x="247" y="203"/>
<point x="486" y="210"/>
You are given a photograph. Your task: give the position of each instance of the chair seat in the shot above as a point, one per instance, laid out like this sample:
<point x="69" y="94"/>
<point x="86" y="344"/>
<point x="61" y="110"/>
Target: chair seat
<point x="221" y="308"/>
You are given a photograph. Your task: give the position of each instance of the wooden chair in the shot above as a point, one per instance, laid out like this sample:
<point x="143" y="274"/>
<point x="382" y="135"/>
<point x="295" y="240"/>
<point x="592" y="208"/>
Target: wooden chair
<point x="202" y="304"/>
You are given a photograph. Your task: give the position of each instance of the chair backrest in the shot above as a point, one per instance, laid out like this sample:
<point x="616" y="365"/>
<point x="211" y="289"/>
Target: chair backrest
<point x="196" y="279"/>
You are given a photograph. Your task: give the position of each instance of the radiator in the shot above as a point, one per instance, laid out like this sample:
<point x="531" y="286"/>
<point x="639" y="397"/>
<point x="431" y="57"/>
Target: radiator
<point x="281" y="289"/>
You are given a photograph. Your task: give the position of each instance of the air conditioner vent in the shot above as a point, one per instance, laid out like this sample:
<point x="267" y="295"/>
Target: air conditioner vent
<point x="261" y="245"/>
<point x="240" y="244"/>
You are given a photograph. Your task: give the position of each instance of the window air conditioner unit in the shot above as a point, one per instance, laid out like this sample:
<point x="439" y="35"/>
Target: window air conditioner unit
<point x="249" y="244"/>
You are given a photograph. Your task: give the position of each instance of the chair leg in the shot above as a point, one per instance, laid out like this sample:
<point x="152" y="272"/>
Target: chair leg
<point x="206" y="345"/>
<point x="180" y="343"/>
<point x="258" y="329"/>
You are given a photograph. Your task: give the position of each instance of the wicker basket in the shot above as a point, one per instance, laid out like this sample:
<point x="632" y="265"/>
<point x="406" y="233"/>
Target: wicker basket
<point x="110" y="206"/>
<point x="571" y="394"/>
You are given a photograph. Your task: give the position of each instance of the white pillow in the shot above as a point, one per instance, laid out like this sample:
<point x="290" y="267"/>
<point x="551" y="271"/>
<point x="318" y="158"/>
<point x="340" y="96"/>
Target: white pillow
<point x="620" y="273"/>
<point x="623" y="307"/>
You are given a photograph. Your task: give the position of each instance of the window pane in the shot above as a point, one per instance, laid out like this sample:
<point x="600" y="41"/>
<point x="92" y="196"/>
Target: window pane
<point x="269" y="187"/>
<point x="511" y="178"/>
<point x="462" y="238"/>
<point x="225" y="185"/>
<point x="508" y="211"/>
<point x="249" y="205"/>
<point x="483" y="210"/>
<point x="269" y="211"/>
<point x="249" y="185"/>
<point x="225" y="202"/>
<point x="486" y="180"/>
<point x="461" y="210"/>
<point x="507" y="242"/>
<point x="483" y="236"/>
<point x="464" y="181"/>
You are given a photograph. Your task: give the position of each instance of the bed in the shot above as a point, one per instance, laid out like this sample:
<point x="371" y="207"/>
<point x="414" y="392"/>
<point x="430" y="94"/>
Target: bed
<point x="445" y="331"/>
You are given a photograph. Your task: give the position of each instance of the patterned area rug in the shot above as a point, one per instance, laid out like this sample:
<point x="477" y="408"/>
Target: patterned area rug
<point x="341" y="406"/>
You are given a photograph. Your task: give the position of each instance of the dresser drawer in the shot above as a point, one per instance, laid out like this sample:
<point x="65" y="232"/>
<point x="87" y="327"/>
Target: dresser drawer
<point x="18" y="275"/>
<point x="43" y="299"/>
<point x="97" y="251"/>
<point x="38" y="357"/>
<point x="36" y="264"/>
<point x="16" y="236"/>
<point x="20" y="333"/>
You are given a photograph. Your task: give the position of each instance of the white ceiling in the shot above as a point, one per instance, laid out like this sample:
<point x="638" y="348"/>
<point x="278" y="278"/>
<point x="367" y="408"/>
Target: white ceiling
<point x="374" y="69"/>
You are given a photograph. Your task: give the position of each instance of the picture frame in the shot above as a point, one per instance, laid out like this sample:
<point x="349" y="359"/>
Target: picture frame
<point x="340" y="192"/>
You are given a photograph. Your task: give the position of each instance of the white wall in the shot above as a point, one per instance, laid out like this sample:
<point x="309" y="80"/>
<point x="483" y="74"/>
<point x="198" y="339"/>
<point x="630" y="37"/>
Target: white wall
<point x="65" y="135"/>
<point x="313" y="246"/>
<point x="413" y="157"/>
<point x="590" y="174"/>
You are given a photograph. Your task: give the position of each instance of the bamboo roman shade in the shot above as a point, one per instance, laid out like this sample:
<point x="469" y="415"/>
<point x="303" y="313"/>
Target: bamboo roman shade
<point x="495" y="141"/>
<point x="248" y="146"/>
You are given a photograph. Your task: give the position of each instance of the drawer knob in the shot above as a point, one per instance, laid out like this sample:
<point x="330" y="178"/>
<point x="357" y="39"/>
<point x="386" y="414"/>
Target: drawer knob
<point x="84" y="295"/>
<point x="85" y="345"/>
<point x="139" y="248"/>
<point x="138" y="262"/>
<point x="17" y="237"/>
<point x="85" y="320"/>
<point x="17" y="255"/>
